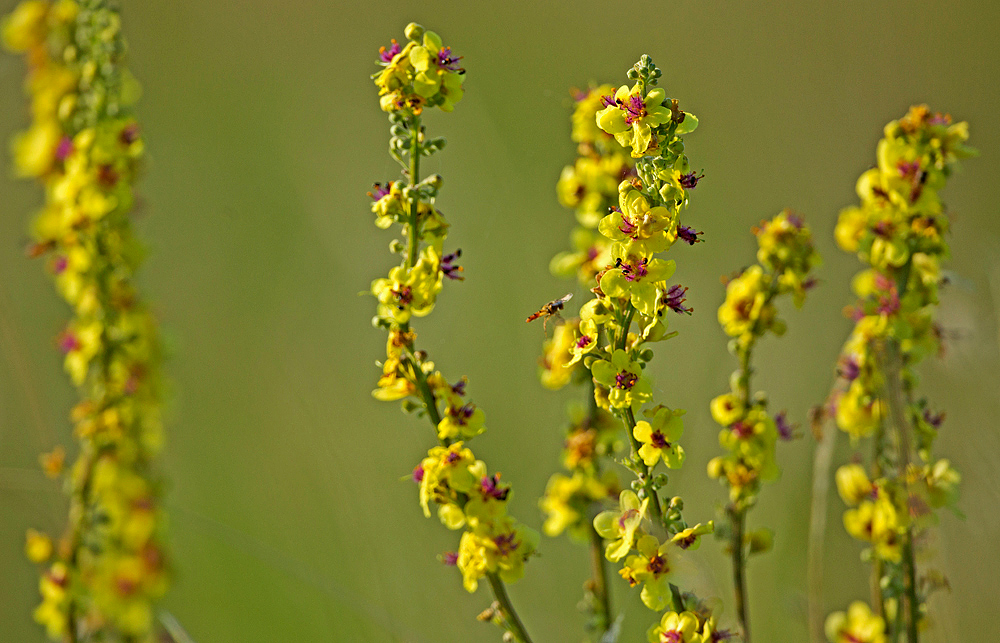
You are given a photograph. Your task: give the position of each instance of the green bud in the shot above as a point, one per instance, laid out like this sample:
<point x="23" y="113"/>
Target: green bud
<point x="646" y="355"/>
<point x="434" y="181"/>
<point x="633" y="74"/>
<point x="413" y="31"/>
<point x="396" y="247"/>
<point x="409" y="406"/>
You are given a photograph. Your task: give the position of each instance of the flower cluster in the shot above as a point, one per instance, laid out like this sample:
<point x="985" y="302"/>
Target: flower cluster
<point x="423" y="73"/>
<point x="85" y="149"/>
<point x="621" y="231"/>
<point x="451" y="481"/>
<point x="749" y="432"/>
<point x="899" y="231"/>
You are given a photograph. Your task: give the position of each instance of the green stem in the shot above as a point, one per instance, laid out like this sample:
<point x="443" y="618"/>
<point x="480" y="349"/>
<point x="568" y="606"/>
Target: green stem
<point x="599" y="567"/>
<point x="411" y="225"/>
<point x="626" y="324"/>
<point x="737" y="518"/>
<point x="514" y="624"/>
<point x="893" y="373"/>
<point x="878" y="568"/>
<point x="598" y="563"/>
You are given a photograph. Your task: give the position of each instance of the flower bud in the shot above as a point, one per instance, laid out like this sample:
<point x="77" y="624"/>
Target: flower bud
<point x="413" y="31"/>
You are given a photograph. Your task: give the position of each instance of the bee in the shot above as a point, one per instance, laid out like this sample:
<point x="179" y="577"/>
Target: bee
<point x="550" y="309"/>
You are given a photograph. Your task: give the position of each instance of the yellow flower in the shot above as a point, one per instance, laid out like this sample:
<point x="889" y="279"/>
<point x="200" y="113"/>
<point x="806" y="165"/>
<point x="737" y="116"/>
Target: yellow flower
<point x="858" y="625"/>
<point x="620" y="527"/>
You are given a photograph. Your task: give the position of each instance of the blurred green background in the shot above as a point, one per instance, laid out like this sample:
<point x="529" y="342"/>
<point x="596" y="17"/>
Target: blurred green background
<point x="289" y="521"/>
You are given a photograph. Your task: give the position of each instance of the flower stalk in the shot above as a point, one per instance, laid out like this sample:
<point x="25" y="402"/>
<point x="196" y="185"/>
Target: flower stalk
<point x="419" y="75"/>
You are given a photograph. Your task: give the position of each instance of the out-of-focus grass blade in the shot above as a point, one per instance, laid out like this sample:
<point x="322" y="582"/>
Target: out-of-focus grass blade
<point x="173" y="632"/>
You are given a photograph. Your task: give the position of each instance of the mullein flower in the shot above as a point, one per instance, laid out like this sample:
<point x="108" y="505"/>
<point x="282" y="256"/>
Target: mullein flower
<point x="637" y="279"/>
<point x="643" y="230"/>
<point x="651" y="567"/>
<point x="623" y="378"/>
<point x="622" y="527"/>
<point x="658" y="438"/>
<point x="677" y="628"/>
<point x="630" y="116"/>
<point x="857" y="625"/>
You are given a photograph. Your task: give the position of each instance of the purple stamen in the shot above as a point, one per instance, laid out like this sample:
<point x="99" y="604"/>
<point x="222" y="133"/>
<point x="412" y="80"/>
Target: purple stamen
<point x="379" y="191"/>
<point x="908" y="170"/>
<point x="690" y="180"/>
<point x="506" y="543"/>
<point x="883" y="229"/>
<point x="459" y="387"/>
<point x="633" y="271"/>
<point x="446" y="61"/>
<point x="626" y="380"/>
<point x="689" y="235"/>
<point x="609" y="100"/>
<point x="450" y="270"/>
<point x="849" y="368"/>
<point x="658" y="440"/>
<point x="69" y="342"/>
<point x="418" y="474"/>
<point x="386" y="55"/>
<point x="635" y="109"/>
<point x="673" y="636"/>
<point x="461" y="414"/>
<point x="785" y="430"/>
<point x="450" y="558"/>
<point x="934" y="419"/>
<point x="64" y="149"/>
<point x="129" y="134"/>
<point x="674" y="300"/>
<point x="584" y="341"/>
<point x="627" y="226"/>
<point x="742" y="429"/>
<point x="453" y="457"/>
<point x="490" y="487"/>
<point x="404" y="296"/>
<point x="60" y="265"/>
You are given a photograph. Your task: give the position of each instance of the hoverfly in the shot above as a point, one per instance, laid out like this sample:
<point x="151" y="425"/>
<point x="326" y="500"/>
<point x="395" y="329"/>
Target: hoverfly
<point x="550" y="309"/>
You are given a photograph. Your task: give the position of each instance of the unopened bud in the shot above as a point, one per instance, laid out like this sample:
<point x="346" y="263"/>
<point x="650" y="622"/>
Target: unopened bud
<point x="413" y="31"/>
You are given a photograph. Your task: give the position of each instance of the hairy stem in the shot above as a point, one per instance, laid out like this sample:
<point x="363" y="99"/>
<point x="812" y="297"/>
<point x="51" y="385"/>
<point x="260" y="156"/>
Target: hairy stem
<point x="411" y="225"/>
<point x="513" y="620"/>
<point x="737" y="519"/>
<point x="599" y="567"/>
<point x="897" y="413"/>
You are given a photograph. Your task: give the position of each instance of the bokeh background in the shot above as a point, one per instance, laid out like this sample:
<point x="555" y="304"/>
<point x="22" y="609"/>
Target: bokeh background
<point x="288" y="518"/>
